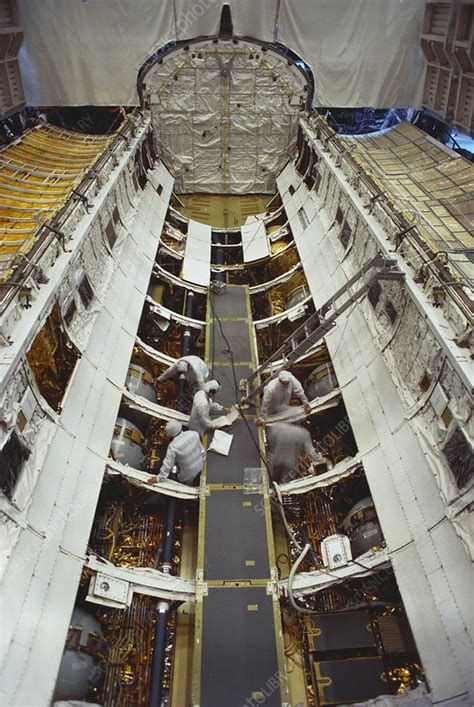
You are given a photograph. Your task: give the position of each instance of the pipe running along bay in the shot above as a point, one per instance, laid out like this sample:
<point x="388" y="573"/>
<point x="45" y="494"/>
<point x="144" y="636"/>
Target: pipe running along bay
<point x="218" y="276"/>
<point x="165" y="555"/>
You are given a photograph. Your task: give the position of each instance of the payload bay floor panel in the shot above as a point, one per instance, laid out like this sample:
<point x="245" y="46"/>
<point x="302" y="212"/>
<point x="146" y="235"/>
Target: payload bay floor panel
<point x="238" y="642"/>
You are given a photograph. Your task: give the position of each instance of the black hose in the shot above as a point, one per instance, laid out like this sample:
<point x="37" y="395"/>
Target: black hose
<point x="218" y="276"/>
<point x="168" y="537"/>
<point x="185" y="350"/>
<point x="166" y="551"/>
<point x="159" y="646"/>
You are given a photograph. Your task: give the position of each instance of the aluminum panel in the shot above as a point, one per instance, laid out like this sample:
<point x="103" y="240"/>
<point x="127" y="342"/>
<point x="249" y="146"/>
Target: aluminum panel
<point x="358" y="404"/>
<point x="286" y="178"/>
<point x="139" y="268"/>
<point x="329" y="262"/>
<point x="304" y="245"/>
<point x="458" y="568"/>
<point x="119" y="365"/>
<point x="291" y="209"/>
<point x="310" y="208"/>
<point x="57" y="457"/>
<point x="421" y="475"/>
<point x="17" y="655"/>
<point x="156" y="225"/>
<point x="82" y="509"/>
<point x="76" y="398"/>
<point x="386" y="392"/>
<point x="95" y="344"/>
<point x="18" y="575"/>
<point x="161" y="177"/>
<point x="51" y="631"/>
<point x="367" y="344"/>
<point x="428" y="556"/>
<point x="388" y="505"/>
<point x="198" y="241"/>
<point x="35" y="596"/>
<point x="342" y="339"/>
<point x="132" y="307"/>
<point x="295" y="223"/>
<point x="443" y="671"/>
<point x="62" y="508"/>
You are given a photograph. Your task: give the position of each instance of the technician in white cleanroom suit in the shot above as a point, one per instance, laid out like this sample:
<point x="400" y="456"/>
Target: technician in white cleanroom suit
<point x="277" y="395"/>
<point x="287" y="445"/>
<point x="185" y="451"/>
<point x="203" y="405"/>
<point x="193" y="368"/>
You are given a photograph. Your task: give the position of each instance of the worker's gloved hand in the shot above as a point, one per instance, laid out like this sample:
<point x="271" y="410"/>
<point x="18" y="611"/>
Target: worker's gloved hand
<point x="152" y="480"/>
<point x="307" y="408"/>
<point x="260" y="422"/>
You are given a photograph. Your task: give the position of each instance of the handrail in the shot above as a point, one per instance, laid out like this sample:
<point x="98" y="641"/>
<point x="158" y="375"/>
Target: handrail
<point x="48" y="231"/>
<point x="409" y="230"/>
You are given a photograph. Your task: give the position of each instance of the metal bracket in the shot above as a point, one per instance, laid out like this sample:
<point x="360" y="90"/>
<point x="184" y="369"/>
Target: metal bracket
<point x="400" y="236"/>
<point x="41" y="279"/>
<point x="328" y="139"/>
<point x="83" y="198"/>
<point x="59" y="235"/>
<point x="24" y="293"/>
<point x="218" y="287"/>
<point x="123" y="137"/>
<point x="372" y="201"/>
<point x="392" y="275"/>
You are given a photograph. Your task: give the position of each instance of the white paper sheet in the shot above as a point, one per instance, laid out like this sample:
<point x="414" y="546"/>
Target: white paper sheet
<point x="221" y="443"/>
<point x="226" y="420"/>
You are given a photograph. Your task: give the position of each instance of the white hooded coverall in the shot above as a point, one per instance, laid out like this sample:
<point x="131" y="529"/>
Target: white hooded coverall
<point x="195" y="375"/>
<point x="276" y="397"/>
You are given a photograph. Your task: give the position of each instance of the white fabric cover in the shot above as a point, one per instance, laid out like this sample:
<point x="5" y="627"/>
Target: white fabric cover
<point x="415" y="698"/>
<point x="308" y="483"/>
<point x="197" y="256"/>
<point x="363" y="53"/>
<point x="254" y="241"/>
<point x="140" y="478"/>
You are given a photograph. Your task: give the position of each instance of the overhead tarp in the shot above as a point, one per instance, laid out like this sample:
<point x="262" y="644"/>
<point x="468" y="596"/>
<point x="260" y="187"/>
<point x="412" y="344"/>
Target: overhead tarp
<point x="363" y="53"/>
